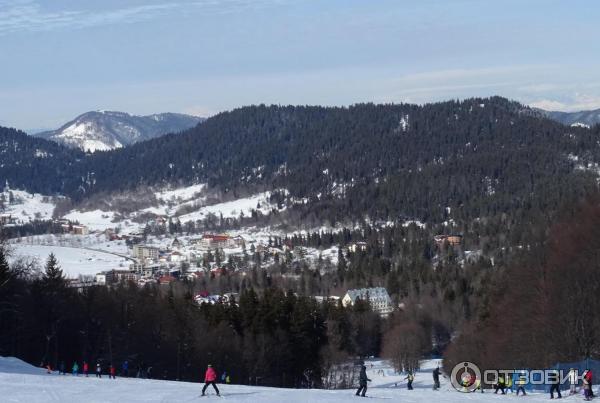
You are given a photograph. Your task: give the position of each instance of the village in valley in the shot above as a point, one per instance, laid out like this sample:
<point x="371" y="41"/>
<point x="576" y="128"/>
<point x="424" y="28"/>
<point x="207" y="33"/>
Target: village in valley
<point x="95" y="249"/>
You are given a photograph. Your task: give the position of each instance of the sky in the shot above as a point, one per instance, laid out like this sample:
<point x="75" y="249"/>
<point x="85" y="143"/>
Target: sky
<point x="60" y="58"/>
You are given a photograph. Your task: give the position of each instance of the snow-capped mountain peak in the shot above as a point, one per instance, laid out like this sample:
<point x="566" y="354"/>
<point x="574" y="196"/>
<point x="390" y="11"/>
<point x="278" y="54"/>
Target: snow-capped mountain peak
<point x="106" y="130"/>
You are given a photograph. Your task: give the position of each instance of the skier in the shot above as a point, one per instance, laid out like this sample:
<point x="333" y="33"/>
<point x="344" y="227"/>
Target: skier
<point x="436" y="378"/>
<point x="227" y="379"/>
<point x="500" y="385"/>
<point x="61" y="368"/>
<point x="362" y="382"/>
<point x="573" y="381"/>
<point x="75" y="369"/>
<point x="125" y="369"/>
<point x="98" y="370"/>
<point x="555" y="384"/>
<point x="587" y="384"/>
<point x="410" y="378"/>
<point x="210" y="378"/>
<point x="521" y="382"/>
<point x="86" y="368"/>
<point x="111" y="372"/>
<point x="223" y="377"/>
<point x="48" y="368"/>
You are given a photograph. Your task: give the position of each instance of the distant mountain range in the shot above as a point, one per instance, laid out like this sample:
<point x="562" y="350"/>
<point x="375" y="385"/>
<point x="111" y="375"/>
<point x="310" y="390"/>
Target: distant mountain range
<point x="582" y="118"/>
<point x="108" y="130"/>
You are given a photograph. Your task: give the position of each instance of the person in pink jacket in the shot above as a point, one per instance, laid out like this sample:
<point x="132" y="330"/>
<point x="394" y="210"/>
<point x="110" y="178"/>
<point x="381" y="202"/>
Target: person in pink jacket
<point x="210" y="378"/>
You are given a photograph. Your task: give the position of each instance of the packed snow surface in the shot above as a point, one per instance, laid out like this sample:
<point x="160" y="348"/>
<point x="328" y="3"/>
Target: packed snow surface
<point x="73" y="261"/>
<point x="22" y="383"/>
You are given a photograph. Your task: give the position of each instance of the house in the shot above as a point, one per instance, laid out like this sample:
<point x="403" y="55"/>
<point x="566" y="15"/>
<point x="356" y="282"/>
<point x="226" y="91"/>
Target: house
<point x="167" y="279"/>
<point x="176" y="244"/>
<point x="218" y="271"/>
<point x="452" y="240"/>
<point x="7" y="219"/>
<point x="211" y="241"/>
<point x="239" y="241"/>
<point x="101" y="278"/>
<point x="357" y="247"/>
<point x="144" y="252"/>
<point x="75" y="229"/>
<point x="176" y="257"/>
<point x="80" y="230"/>
<point x="378" y="298"/>
<point x="205" y="298"/>
<point x="115" y="276"/>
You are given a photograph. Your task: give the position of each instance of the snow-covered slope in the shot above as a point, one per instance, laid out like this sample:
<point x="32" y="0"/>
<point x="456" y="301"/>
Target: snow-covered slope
<point x="22" y="383"/>
<point x="105" y="130"/>
<point x="25" y="207"/>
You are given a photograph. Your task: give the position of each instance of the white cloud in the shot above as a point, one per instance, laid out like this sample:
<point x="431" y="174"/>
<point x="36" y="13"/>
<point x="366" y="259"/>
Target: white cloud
<point x="573" y="103"/>
<point x="30" y="15"/>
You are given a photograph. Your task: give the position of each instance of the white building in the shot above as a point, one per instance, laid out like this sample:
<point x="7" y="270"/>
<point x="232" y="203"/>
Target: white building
<point x="357" y="247"/>
<point x="144" y="252"/>
<point x="378" y="298"/>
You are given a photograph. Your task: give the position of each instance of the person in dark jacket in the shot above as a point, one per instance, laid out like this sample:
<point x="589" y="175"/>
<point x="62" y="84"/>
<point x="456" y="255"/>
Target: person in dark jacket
<point x="125" y="369"/>
<point x="61" y="368"/>
<point x="436" y="378"/>
<point x="501" y="385"/>
<point x="555" y="385"/>
<point x="210" y="378"/>
<point x="362" y="382"/>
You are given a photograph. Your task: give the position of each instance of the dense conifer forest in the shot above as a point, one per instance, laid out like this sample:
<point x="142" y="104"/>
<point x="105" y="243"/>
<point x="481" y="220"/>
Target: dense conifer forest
<point x="476" y="158"/>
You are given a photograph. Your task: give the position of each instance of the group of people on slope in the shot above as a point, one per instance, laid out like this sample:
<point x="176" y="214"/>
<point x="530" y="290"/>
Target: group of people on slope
<point x="410" y="377"/>
<point x="520" y="380"/>
<point x="85" y="369"/>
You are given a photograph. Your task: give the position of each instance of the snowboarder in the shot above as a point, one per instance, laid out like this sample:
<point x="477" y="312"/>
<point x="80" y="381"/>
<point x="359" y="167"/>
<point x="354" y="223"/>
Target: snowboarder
<point x="75" y="369"/>
<point x="573" y="381"/>
<point x="362" y="382"/>
<point x="521" y="382"/>
<point x="111" y="372"/>
<point x="555" y="384"/>
<point x="98" y="370"/>
<point x="500" y="385"/>
<point x="410" y="378"/>
<point x="86" y="368"/>
<point x="125" y="369"/>
<point x="210" y="378"/>
<point x="436" y="378"/>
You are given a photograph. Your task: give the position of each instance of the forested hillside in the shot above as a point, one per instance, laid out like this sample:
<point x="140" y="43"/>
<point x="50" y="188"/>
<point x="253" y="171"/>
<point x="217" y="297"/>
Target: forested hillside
<point x="474" y="158"/>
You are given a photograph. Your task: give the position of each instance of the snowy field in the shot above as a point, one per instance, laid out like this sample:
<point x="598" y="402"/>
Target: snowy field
<point x="73" y="261"/>
<point x="22" y="383"/>
<point x="27" y="206"/>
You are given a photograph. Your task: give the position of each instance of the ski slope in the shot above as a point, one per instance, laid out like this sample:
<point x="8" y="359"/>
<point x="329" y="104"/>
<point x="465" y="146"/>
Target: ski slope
<point x="23" y="383"/>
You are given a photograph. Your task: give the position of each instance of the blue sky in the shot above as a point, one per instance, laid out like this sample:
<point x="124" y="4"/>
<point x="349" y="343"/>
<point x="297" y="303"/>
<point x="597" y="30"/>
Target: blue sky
<point x="60" y="58"/>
